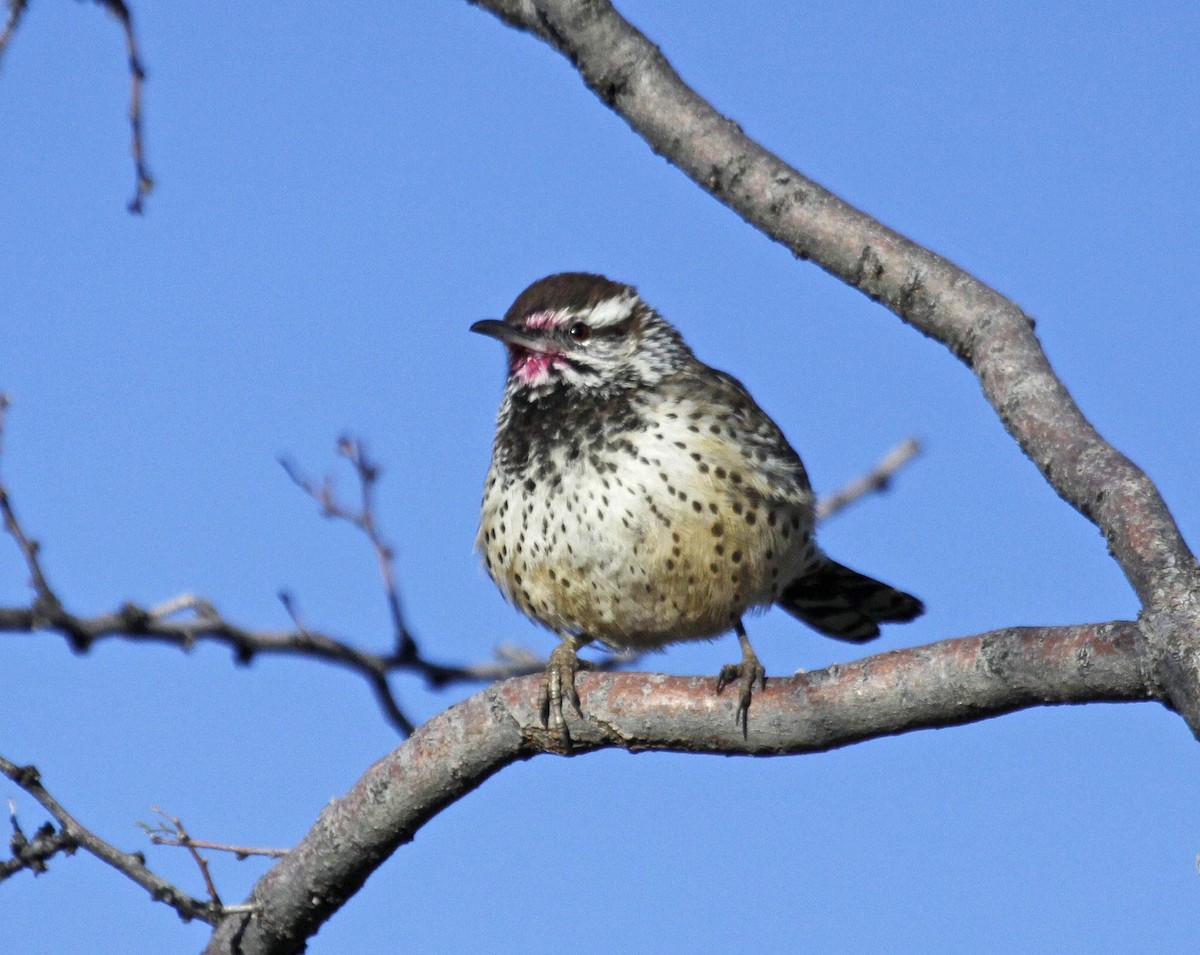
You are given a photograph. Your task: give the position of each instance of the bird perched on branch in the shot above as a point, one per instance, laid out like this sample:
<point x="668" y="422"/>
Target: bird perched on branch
<point x="638" y="497"/>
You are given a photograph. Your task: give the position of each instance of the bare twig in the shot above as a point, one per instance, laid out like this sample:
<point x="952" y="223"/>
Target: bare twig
<point x="875" y="481"/>
<point x="179" y="837"/>
<point x="45" y="600"/>
<point x="29" y="550"/>
<point x="240" y="852"/>
<point x="144" y="183"/>
<point x="172" y="833"/>
<point x="364" y="518"/>
<point x="131" y="865"/>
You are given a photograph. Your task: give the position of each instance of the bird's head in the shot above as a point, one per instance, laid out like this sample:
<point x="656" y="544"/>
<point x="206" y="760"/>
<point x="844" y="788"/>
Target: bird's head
<point x="577" y="330"/>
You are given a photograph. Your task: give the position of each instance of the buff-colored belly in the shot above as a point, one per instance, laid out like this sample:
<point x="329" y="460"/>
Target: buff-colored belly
<point x="644" y="556"/>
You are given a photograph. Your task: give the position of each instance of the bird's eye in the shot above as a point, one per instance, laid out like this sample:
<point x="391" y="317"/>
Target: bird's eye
<point x="580" y="331"/>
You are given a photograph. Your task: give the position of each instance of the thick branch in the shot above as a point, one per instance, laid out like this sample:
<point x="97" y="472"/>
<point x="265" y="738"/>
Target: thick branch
<point x="943" y="684"/>
<point x="984" y="329"/>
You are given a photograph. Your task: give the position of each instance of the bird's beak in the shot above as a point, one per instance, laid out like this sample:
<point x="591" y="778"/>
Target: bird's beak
<point x="510" y="334"/>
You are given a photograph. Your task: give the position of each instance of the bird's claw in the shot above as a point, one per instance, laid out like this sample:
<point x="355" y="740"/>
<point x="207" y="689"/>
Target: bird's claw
<point x="558" y="683"/>
<point x="746" y="674"/>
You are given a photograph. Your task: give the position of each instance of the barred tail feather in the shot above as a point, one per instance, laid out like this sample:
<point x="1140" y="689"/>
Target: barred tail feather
<point x="844" y="604"/>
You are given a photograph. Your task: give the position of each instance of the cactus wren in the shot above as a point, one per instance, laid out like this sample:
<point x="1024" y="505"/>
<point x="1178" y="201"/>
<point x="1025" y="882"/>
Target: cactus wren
<point x="638" y="497"/>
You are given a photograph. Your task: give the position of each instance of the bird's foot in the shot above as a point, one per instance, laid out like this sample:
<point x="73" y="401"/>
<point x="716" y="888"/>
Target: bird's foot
<point x="558" y="684"/>
<point x="746" y="674"/>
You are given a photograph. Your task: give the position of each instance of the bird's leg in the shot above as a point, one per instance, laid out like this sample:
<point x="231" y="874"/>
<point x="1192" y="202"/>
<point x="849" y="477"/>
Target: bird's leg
<point x="747" y="673"/>
<point x="559" y="682"/>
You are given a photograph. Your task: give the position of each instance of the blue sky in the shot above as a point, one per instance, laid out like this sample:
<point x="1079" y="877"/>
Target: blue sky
<point x="339" y="197"/>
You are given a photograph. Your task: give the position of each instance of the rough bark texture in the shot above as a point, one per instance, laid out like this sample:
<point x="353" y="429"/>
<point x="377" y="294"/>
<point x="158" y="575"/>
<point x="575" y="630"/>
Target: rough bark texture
<point x="943" y="684"/>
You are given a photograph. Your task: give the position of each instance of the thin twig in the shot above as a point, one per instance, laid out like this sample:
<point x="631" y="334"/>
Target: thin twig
<point x="293" y="611"/>
<point x="180" y="837"/>
<point x="875" y="481"/>
<point x="376" y="674"/>
<point x="364" y="518"/>
<point x="240" y="852"/>
<point x="28" y="546"/>
<point x="137" y="77"/>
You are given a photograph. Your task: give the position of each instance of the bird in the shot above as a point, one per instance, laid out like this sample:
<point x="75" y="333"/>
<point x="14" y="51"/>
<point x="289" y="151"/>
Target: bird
<point x="638" y="497"/>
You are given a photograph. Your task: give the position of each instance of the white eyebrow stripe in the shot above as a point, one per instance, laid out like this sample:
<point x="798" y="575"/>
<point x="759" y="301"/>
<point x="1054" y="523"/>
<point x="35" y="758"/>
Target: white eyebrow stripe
<point x="612" y="310"/>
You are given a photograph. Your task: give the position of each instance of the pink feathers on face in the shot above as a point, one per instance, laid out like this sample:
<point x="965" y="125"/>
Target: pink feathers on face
<point x="533" y="367"/>
<point x="544" y="320"/>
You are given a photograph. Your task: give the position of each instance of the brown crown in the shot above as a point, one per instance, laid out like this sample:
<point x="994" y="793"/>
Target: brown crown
<point x="566" y="290"/>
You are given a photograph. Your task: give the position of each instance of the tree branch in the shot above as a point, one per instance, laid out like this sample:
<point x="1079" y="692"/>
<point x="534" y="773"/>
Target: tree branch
<point x="991" y="334"/>
<point x="143" y="181"/>
<point x="238" y="852"/>
<point x="131" y="865"/>
<point x="943" y="684"/>
<point x="29" y="548"/>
